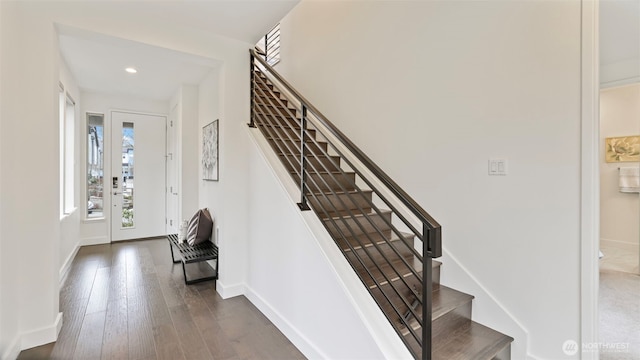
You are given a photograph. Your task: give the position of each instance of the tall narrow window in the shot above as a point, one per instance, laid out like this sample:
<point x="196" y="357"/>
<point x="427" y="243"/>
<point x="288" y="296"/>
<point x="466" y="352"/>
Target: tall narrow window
<point x="128" y="140"/>
<point x="61" y="128"/>
<point x="67" y="152"/>
<point x="270" y="45"/>
<point x="69" y="155"/>
<point x="95" y="165"/>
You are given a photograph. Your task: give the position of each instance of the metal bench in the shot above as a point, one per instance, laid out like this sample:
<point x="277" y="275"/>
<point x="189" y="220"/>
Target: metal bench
<point x="193" y="254"/>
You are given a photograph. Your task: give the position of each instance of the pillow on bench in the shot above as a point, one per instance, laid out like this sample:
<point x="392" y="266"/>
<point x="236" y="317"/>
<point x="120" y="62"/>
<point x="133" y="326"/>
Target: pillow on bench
<point x="200" y="227"/>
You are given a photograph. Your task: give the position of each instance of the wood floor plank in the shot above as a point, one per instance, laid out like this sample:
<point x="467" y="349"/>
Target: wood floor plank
<point x="99" y="297"/>
<point x="115" y="340"/>
<point x="118" y="282"/>
<point x="191" y="341"/>
<point x="89" y="344"/>
<point x="140" y="329"/>
<point x="156" y="303"/>
<point x="72" y="319"/>
<point x="217" y="342"/>
<point x="167" y="342"/>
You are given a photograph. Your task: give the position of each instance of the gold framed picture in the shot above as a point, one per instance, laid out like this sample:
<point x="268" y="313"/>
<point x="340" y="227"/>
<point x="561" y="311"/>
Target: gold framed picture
<point x="622" y="149"/>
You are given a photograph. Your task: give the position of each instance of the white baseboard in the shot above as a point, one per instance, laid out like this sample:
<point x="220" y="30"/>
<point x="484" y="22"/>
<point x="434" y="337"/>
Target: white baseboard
<point x="298" y="339"/>
<point x="94" y="240"/>
<point x="66" y="266"/>
<point x="614" y="242"/>
<point x="41" y="336"/>
<point x="12" y="352"/>
<point x="229" y="291"/>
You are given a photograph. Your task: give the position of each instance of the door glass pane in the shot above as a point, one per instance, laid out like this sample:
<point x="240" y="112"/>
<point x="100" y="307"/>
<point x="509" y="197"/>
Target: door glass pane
<point x="127" y="175"/>
<point x="95" y="165"/>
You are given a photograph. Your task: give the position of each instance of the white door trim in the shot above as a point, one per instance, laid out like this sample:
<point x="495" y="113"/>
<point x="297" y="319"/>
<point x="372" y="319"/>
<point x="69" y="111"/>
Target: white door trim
<point x="590" y="176"/>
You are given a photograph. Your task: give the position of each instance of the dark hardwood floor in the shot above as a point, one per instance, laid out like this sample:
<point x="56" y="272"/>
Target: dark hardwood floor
<point x="128" y="301"/>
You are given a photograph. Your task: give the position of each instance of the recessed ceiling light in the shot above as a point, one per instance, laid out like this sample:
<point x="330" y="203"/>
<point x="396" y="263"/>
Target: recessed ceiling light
<point x="131" y="70"/>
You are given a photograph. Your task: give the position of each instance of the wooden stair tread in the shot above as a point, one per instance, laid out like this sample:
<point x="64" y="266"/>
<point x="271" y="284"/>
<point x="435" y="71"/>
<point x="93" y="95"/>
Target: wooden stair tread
<point x="444" y="300"/>
<point x="471" y="341"/>
<point x="385" y="237"/>
<point x="356" y="214"/>
<point x="388" y="270"/>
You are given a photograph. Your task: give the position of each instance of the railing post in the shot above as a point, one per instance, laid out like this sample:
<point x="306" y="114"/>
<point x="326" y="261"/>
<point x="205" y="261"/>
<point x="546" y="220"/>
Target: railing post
<point x="266" y="47"/>
<point x="252" y="122"/>
<point x="427" y="294"/>
<point x="303" y="161"/>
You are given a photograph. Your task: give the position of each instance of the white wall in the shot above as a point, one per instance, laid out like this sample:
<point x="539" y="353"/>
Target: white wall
<point x="431" y="91"/>
<point x="30" y="212"/>
<point x="620" y="73"/>
<point x="186" y="132"/>
<point x="619" y="212"/>
<point x="224" y="95"/>
<point x="619" y="32"/>
<point x="208" y="111"/>
<point x="290" y="276"/>
<point x="9" y="300"/>
<point x="97" y="231"/>
<point x="70" y="223"/>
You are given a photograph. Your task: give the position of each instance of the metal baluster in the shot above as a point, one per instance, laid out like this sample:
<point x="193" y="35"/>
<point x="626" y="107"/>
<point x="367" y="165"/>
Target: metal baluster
<point x="253" y="94"/>
<point x="427" y="287"/>
<point x="303" y="161"/>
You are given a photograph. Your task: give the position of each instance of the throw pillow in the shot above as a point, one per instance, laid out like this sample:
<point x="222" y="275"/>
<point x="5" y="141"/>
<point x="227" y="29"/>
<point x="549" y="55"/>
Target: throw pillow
<point x="200" y="227"/>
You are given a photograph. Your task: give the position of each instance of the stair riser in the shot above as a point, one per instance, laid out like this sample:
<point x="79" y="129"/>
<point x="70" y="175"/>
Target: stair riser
<point x="276" y="113"/>
<point x="273" y="102"/>
<point x="504" y="354"/>
<point x="444" y="325"/>
<point x="269" y="91"/>
<point x="287" y="131"/>
<point x="341" y="202"/>
<point x="350" y="227"/>
<point x="374" y="255"/>
<point x="281" y="132"/>
<point x="267" y="88"/>
<point x="292" y="163"/>
<point x="390" y="274"/>
<point x="293" y="147"/>
<point x="324" y="182"/>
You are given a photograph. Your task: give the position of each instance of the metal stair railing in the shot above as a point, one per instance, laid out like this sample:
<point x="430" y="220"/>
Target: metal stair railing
<point x="292" y="124"/>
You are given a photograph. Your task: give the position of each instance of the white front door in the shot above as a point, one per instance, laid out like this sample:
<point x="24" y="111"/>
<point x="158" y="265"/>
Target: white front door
<point x="137" y="175"/>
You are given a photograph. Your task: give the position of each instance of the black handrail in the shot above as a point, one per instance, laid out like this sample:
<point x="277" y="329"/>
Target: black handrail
<point x="434" y="241"/>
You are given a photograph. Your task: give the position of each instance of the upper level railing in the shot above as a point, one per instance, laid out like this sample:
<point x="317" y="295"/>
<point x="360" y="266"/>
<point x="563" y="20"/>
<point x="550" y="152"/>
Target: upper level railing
<point x="297" y="135"/>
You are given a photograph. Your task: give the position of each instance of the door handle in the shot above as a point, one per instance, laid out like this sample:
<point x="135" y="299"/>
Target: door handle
<point x="116" y="193"/>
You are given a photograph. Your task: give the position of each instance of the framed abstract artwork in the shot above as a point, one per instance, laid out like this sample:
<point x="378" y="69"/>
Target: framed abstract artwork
<point x="622" y="149"/>
<point x="210" y="151"/>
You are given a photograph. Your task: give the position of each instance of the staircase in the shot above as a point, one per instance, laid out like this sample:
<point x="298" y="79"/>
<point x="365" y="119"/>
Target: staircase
<point x="380" y="230"/>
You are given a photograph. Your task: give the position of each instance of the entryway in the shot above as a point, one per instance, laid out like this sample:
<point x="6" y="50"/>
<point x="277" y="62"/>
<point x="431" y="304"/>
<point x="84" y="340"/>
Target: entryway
<point x="137" y="175"/>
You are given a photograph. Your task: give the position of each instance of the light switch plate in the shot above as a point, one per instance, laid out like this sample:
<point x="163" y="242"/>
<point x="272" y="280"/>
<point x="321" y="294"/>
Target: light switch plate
<point x="498" y="166"/>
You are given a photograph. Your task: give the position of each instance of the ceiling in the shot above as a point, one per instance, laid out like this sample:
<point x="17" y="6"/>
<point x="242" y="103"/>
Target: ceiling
<point x="619" y="31"/>
<point x="97" y="61"/>
<point x="98" y="64"/>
